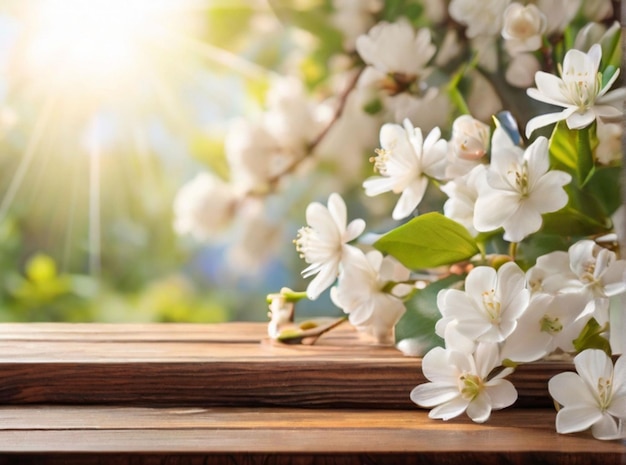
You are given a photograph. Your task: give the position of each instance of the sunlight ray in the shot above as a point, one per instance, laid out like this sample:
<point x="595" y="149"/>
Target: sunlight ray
<point x="220" y="56"/>
<point x="94" y="238"/>
<point x="39" y="128"/>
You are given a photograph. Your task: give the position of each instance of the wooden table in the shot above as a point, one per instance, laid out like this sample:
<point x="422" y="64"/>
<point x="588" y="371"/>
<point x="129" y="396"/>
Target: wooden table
<point x="204" y="394"/>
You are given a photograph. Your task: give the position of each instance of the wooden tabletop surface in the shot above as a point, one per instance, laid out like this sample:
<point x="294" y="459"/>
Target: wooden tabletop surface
<point x="187" y="394"/>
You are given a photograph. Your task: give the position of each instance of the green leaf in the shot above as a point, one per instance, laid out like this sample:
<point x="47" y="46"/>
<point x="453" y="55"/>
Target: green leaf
<point x="422" y="314"/>
<point x="584" y="167"/>
<point x="604" y="186"/>
<point x="572" y="150"/>
<point x="611" y="48"/>
<point x="428" y="241"/>
<point x="608" y="74"/>
<point x="563" y="154"/>
<point x="570" y="221"/>
<point x="591" y="338"/>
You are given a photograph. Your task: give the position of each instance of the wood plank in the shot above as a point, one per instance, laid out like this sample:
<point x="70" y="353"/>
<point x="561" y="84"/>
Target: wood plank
<point x="233" y="332"/>
<point x="156" y="364"/>
<point x="357" y="458"/>
<point x="98" y="429"/>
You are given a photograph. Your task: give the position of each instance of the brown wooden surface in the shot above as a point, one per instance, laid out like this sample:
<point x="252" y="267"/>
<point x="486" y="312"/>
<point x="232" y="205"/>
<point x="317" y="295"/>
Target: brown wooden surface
<point x="213" y="365"/>
<point x="251" y="434"/>
<point x="210" y="394"/>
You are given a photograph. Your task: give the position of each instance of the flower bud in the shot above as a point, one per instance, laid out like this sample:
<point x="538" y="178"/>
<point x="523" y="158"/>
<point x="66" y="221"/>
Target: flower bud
<point x="523" y="27"/>
<point x="470" y="138"/>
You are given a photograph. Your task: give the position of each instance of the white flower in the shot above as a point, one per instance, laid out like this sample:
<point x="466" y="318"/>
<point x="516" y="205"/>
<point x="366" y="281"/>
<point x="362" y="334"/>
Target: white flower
<point x="523" y="28"/>
<point x="462" y="193"/>
<point x="459" y="383"/>
<point x="520" y="188"/>
<point x="551" y="273"/>
<point x="323" y="243"/>
<point x="600" y="273"/>
<point x="254" y="155"/>
<point x="260" y="151"/>
<point x="405" y="162"/>
<point x="397" y="49"/>
<point x="290" y="116"/>
<point x="470" y="138"/>
<point x="488" y="309"/>
<point x="585" y="268"/>
<point x="595" y="397"/>
<point x="549" y="322"/>
<point x="579" y="91"/>
<point x="481" y="18"/>
<point x="361" y="293"/>
<point x="204" y="207"/>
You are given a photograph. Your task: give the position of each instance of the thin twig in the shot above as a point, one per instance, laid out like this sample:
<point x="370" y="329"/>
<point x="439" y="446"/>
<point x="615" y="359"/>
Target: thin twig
<point x="343" y="98"/>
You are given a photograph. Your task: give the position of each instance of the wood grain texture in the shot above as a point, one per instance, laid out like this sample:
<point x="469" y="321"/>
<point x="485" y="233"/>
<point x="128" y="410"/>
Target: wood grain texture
<point x="212" y="394"/>
<point x="231" y="364"/>
<point x="310" y="435"/>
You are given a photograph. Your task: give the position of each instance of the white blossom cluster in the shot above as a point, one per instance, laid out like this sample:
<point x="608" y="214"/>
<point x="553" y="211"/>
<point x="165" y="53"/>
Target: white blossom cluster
<point x="508" y="316"/>
<point x="403" y="73"/>
<point x="429" y="92"/>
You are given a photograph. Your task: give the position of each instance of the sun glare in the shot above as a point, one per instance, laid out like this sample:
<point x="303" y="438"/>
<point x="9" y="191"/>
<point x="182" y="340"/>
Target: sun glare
<point x="95" y="45"/>
<point x="101" y="88"/>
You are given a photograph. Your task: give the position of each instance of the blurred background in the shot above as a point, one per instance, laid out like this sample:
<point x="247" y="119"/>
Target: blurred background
<point x="155" y="154"/>
<point x="107" y="108"/>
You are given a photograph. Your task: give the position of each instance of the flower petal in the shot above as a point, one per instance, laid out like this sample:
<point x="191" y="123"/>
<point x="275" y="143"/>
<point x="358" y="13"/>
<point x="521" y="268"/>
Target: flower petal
<point x="319" y="218"/>
<point x="538" y="160"/>
<point x="613" y="98"/>
<point x="449" y="410"/>
<point x="579" y="120"/>
<point x="337" y="210"/>
<point x="354" y="229"/>
<point x="606" y="428"/>
<point x="525" y="221"/>
<point x="619" y="377"/>
<point x="576" y="418"/>
<point x="593" y="364"/>
<point x="502" y="393"/>
<point x="479" y="280"/>
<point x="437" y="368"/>
<point x="479" y="409"/>
<point x="569" y="389"/>
<point x="548" y="89"/>
<point x="432" y="394"/>
<point x="548" y="195"/>
<point x="493" y="208"/>
<point x="547" y="119"/>
<point x="526" y="344"/>
<point x="376" y="185"/>
<point x="618" y="406"/>
<point x="607" y="111"/>
<point x="324" y="279"/>
<point x="410" y="198"/>
<point x="511" y="282"/>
